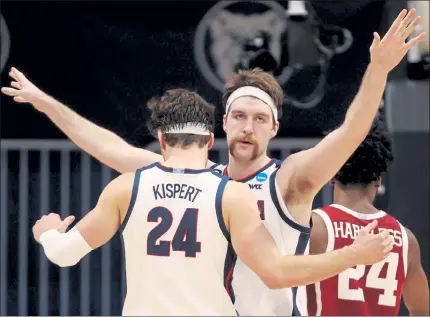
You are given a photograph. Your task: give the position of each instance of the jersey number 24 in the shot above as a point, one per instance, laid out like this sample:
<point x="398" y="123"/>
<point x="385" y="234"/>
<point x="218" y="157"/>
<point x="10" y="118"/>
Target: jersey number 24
<point x="372" y="280"/>
<point x="185" y="238"/>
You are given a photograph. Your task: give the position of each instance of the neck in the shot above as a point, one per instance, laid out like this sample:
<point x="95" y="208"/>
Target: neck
<point x="191" y="158"/>
<point x="358" y="200"/>
<point x="239" y="169"/>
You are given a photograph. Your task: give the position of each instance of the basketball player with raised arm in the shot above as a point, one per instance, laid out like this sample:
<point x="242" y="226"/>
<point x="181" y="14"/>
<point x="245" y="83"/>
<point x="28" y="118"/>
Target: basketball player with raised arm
<point x="285" y="190"/>
<point x="179" y="221"/>
<point x="366" y="290"/>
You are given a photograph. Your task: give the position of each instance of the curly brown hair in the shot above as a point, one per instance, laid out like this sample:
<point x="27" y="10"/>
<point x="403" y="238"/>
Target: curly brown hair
<point x="178" y="107"/>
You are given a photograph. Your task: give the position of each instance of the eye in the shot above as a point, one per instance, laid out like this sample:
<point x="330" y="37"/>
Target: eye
<point x="260" y="119"/>
<point x="238" y="116"/>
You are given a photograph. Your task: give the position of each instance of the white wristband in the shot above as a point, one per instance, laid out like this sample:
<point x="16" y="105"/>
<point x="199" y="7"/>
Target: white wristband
<point x="64" y="249"/>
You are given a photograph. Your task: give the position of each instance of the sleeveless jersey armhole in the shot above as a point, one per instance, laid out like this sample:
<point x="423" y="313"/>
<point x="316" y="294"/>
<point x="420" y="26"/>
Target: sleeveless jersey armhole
<point x="330" y="232"/>
<point x="282" y="208"/>
<point x="135" y="190"/>
<point x="218" y="207"/>
<point x="405" y="248"/>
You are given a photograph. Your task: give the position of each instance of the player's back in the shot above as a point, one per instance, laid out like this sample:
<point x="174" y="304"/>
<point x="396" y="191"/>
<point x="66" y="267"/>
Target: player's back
<point x="177" y="253"/>
<point x="371" y="290"/>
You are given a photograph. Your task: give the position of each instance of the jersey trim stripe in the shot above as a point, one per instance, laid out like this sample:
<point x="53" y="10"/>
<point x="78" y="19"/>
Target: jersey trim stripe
<point x="300" y="249"/>
<point x="405" y="248"/>
<point x="214" y="166"/>
<point x="230" y="258"/>
<point x="358" y="215"/>
<point x="123" y="271"/>
<point x="328" y="224"/>
<point x="181" y="170"/>
<point x="229" y="264"/>
<point x="274" y="195"/>
<point x="133" y="196"/>
<point x="218" y="208"/>
<point x="251" y="176"/>
<point x="329" y="248"/>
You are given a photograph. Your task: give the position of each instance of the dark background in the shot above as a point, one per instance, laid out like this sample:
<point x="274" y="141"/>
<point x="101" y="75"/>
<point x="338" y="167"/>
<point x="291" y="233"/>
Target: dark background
<point x="106" y="60"/>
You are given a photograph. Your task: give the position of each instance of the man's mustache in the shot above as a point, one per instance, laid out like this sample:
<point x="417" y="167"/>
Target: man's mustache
<point x="250" y="140"/>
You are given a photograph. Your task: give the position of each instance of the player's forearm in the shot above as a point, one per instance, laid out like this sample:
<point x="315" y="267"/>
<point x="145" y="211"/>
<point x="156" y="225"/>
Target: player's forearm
<point x="303" y="270"/>
<point x="365" y="105"/>
<point x="64" y="249"/>
<point x="91" y="138"/>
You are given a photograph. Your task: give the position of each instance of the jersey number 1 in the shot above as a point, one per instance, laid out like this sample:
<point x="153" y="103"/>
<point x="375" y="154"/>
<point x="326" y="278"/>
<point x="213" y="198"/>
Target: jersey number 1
<point x="388" y="283"/>
<point x="185" y="238"/>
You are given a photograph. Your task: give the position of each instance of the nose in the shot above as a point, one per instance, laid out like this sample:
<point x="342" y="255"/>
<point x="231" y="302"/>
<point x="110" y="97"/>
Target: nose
<point x="248" y="128"/>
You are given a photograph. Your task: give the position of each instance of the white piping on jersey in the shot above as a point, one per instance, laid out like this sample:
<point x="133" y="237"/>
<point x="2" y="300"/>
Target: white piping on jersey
<point x="329" y="227"/>
<point x="329" y="248"/>
<point x="282" y="203"/>
<point x="358" y="215"/>
<point x="405" y="248"/>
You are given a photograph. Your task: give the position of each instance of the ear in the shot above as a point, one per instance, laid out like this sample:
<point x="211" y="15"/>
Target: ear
<point x="275" y="130"/>
<point x="224" y="121"/>
<point x="211" y="141"/>
<point x="162" y="140"/>
<point x="378" y="182"/>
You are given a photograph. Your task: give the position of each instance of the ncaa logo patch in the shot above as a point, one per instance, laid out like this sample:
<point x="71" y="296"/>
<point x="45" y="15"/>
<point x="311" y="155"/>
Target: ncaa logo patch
<point x="261" y="177"/>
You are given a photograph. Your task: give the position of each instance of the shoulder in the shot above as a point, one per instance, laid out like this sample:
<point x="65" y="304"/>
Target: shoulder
<point x="122" y="182"/>
<point x="234" y="188"/>
<point x="237" y="194"/>
<point x="413" y="252"/>
<point x="295" y="158"/>
<point x="319" y="233"/>
<point x="287" y="177"/>
<point x="122" y="188"/>
<point x="413" y="245"/>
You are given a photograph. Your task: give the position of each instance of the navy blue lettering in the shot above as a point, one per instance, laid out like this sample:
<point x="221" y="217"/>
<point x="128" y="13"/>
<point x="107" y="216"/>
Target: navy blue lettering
<point x="175" y="191"/>
<point x="156" y="191"/>
<point x="162" y="248"/>
<point x="169" y="190"/>
<point x="185" y="238"/>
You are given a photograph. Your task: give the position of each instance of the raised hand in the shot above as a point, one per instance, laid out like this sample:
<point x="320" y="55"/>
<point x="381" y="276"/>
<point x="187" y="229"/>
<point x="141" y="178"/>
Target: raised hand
<point x="388" y="52"/>
<point x="24" y="90"/>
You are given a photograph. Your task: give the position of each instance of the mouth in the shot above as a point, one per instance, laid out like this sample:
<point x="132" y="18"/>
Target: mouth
<point x="245" y="142"/>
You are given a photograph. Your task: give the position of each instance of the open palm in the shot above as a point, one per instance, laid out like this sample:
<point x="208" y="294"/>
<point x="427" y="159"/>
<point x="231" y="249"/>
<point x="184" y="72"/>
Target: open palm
<point x="23" y="90"/>
<point x="388" y="52"/>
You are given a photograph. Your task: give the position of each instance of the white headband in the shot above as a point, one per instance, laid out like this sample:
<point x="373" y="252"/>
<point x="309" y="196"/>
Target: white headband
<point x="253" y="92"/>
<point x="188" y="128"/>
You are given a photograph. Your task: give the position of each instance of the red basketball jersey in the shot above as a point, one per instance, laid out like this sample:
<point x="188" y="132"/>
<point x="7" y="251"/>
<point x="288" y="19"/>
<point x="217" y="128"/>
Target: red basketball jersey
<point x="367" y="290"/>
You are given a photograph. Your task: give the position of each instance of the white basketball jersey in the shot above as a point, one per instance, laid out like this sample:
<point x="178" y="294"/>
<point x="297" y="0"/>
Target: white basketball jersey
<point x="252" y="297"/>
<point x="177" y="249"/>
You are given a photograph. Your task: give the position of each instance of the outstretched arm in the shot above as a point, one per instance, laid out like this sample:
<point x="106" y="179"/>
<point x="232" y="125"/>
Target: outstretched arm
<point x="101" y="143"/>
<point x="416" y="288"/>
<point x="306" y="172"/>
<point x="94" y="230"/>
<point x="257" y="249"/>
